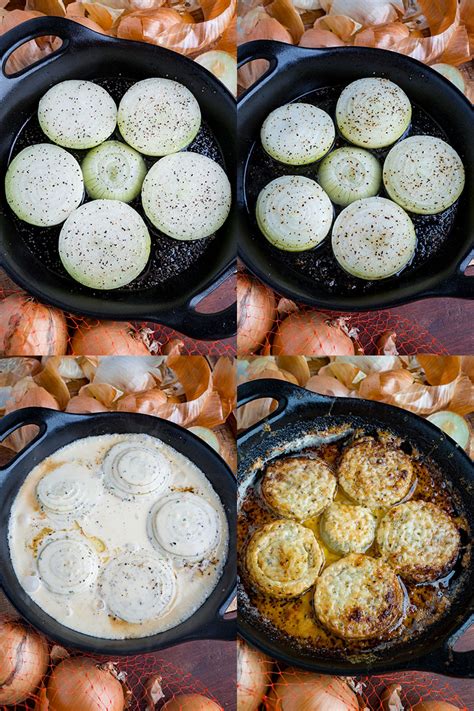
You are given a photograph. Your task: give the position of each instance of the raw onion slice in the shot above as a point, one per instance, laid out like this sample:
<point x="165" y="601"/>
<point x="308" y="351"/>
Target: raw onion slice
<point x="134" y="469"/>
<point x="138" y="586"/>
<point x="187" y="196"/>
<point x="104" y="244"/>
<point x="77" y="114"/>
<point x="350" y="174"/>
<point x="297" y="134"/>
<point x="294" y="213"/>
<point x="454" y="425"/>
<point x="67" y="565"/>
<point x="223" y="65"/>
<point x="373" y="238"/>
<point x="373" y="112"/>
<point x="43" y="185"/>
<point x="158" y="116"/>
<point x="423" y="174"/>
<point x="113" y="171"/>
<point x="451" y="73"/>
<point x="185" y="525"/>
<point x="68" y="491"/>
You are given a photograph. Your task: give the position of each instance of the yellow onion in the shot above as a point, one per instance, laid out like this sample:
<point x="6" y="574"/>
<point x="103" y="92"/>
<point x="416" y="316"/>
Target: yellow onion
<point x="191" y="702"/>
<point x="108" y="338"/>
<point x="80" y="684"/>
<point x="311" y="333"/>
<point x="30" y="328"/>
<point x="435" y="706"/>
<point x="303" y="691"/>
<point x="23" y="662"/>
<point x="256" y="311"/>
<point x="253" y="676"/>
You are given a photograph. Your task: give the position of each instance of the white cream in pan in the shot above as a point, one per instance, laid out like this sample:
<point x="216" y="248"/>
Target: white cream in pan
<point x="118" y="536"/>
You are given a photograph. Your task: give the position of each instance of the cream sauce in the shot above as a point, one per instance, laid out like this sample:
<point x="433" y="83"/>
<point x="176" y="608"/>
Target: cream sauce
<point x="94" y="528"/>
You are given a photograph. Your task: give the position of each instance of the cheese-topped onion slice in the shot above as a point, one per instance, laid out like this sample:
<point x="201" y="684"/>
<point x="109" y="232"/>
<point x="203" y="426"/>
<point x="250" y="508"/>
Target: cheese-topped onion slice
<point x="133" y="469"/>
<point x="187" y="196"/>
<point x="158" y="116"/>
<point x="297" y="134"/>
<point x="373" y="238"/>
<point x="373" y="112"/>
<point x="68" y="491"/>
<point x="67" y="564"/>
<point x="294" y="213"/>
<point x="423" y="174"/>
<point x="138" y="586"/>
<point x="185" y="525"/>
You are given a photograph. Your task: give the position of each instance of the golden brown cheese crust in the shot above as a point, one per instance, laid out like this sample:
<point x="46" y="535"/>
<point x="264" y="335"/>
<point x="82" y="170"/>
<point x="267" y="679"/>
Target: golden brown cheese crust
<point x="358" y="597"/>
<point x="419" y="540"/>
<point x="375" y="474"/>
<point x="284" y="559"/>
<point x="298" y="487"/>
<point x="346" y="528"/>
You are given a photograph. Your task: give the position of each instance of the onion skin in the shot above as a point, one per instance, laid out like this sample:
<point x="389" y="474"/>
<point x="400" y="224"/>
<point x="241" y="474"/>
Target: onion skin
<point x="78" y="684"/>
<point x="108" y="338"/>
<point x="29" y="328"/>
<point x="191" y="702"/>
<point x="435" y="706"/>
<point x="24" y="661"/>
<point x="310" y="333"/>
<point x="303" y="691"/>
<point x="253" y="676"/>
<point x="256" y="313"/>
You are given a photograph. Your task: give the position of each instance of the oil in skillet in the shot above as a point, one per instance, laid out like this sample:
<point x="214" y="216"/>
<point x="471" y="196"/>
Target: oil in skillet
<point x="318" y="266"/>
<point x="169" y="258"/>
<point x="293" y="621"/>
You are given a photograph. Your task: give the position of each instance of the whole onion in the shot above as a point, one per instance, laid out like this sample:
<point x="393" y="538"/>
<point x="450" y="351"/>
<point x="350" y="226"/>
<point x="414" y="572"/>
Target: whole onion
<point x="191" y="702"/>
<point x="80" y="684"/>
<point x="30" y="328"/>
<point x="435" y="706"/>
<point x="108" y="338"/>
<point x="253" y="676"/>
<point x="303" y="691"/>
<point x="24" y="660"/>
<point x="310" y="333"/>
<point x="256" y="312"/>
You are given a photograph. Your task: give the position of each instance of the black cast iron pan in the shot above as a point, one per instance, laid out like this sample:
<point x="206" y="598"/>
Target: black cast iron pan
<point x="445" y="242"/>
<point x="179" y="274"/>
<point x="300" y="412"/>
<point x="56" y="429"/>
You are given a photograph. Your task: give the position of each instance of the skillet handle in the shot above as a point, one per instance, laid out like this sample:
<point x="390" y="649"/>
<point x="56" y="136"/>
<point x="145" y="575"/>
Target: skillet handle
<point x="224" y="627"/>
<point x="287" y="395"/>
<point x="444" y="660"/>
<point x="202" y="326"/>
<point x="276" y="53"/>
<point x="72" y="33"/>
<point x="460" y="285"/>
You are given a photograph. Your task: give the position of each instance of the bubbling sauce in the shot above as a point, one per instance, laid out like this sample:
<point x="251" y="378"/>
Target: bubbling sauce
<point x="118" y="536"/>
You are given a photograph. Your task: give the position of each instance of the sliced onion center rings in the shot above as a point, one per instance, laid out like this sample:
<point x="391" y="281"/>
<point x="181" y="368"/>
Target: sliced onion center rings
<point x="67" y="565"/>
<point x="138" y="586"/>
<point x="68" y="491"/>
<point x="135" y="470"/>
<point x="184" y="525"/>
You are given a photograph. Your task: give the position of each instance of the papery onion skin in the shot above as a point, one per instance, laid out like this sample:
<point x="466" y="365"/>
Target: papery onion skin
<point x="30" y="328"/>
<point x="79" y="684"/>
<point x="256" y="312"/>
<point x="435" y="706"/>
<point x="253" y="675"/>
<point x="108" y="338"/>
<point x="191" y="702"/>
<point x="24" y="661"/>
<point x="303" y="691"/>
<point x="310" y="333"/>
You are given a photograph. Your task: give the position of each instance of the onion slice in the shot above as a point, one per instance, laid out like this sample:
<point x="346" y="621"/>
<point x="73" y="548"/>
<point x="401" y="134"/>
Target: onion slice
<point x="453" y="425"/>
<point x="348" y="174"/>
<point x="67" y="564"/>
<point x="297" y="134"/>
<point x="373" y="238"/>
<point x="373" y="112"/>
<point x="451" y="73"/>
<point x="423" y="174"/>
<point x="135" y="469"/>
<point x="113" y="171"/>
<point x="223" y="65"/>
<point x="294" y="213"/>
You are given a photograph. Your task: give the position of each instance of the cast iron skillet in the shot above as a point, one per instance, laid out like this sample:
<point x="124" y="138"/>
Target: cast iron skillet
<point x="300" y="411"/>
<point x="56" y="429"/>
<point x="88" y="55"/>
<point x="295" y="71"/>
